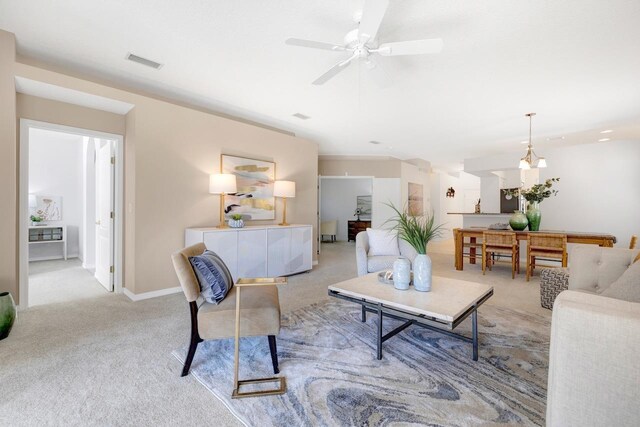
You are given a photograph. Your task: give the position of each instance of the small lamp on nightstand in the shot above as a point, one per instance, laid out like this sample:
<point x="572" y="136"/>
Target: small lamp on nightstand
<point x="222" y="183"/>
<point x="284" y="189"/>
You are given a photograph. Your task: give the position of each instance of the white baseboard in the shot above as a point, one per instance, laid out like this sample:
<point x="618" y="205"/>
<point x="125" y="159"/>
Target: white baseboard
<point x="53" y="257"/>
<point x="152" y="294"/>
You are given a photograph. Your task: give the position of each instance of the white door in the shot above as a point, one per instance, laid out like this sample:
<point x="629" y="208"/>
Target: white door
<point x="104" y="214"/>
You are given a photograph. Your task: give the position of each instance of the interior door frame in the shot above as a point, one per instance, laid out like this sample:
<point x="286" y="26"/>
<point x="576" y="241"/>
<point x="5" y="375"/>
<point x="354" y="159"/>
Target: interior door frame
<point x="23" y="201"/>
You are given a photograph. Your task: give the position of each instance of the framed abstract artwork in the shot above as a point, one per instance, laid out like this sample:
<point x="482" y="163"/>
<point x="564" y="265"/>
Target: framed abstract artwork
<point x="416" y="199"/>
<point x="49" y="208"/>
<point x="254" y="181"/>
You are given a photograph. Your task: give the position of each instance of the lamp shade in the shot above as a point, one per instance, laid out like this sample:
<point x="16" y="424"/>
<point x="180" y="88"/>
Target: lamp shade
<point x="284" y="189"/>
<point x="524" y="164"/>
<point x="222" y="183"/>
<point x="542" y="162"/>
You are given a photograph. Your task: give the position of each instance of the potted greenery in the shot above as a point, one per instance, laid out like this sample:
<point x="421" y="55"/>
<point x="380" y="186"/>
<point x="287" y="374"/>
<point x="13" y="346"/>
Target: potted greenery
<point x="7" y="314"/>
<point x="35" y="219"/>
<point x="418" y="231"/>
<point x="236" y="221"/>
<point x="534" y="196"/>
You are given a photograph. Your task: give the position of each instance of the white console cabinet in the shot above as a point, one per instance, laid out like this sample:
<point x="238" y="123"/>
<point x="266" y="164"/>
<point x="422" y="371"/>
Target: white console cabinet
<point x="258" y="251"/>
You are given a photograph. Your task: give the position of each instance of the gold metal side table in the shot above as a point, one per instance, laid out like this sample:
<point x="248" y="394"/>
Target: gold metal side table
<point x="237" y="383"/>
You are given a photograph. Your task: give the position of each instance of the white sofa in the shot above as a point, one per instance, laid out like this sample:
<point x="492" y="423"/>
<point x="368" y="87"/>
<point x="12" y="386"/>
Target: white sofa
<point x="369" y="264"/>
<point x="594" y="371"/>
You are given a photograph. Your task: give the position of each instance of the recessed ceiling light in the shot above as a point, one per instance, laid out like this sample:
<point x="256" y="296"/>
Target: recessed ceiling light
<point x="301" y="116"/>
<point x="524" y="142"/>
<point x="375" y="142"/>
<point x="604" y="139"/>
<point x="556" y="138"/>
<point x="607" y="131"/>
<point x="143" y="61"/>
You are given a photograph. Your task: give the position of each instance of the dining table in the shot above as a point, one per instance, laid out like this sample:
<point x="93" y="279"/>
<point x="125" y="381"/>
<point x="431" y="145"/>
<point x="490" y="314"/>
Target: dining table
<point x="475" y="233"/>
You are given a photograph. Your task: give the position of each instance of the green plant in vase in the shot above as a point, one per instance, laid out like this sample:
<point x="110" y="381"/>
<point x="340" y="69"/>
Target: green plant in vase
<point x="534" y="196"/>
<point x="236" y="221"/>
<point x="418" y="231"/>
<point x="35" y="220"/>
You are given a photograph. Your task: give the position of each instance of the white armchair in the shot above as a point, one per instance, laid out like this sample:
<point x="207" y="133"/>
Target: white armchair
<point x="371" y="263"/>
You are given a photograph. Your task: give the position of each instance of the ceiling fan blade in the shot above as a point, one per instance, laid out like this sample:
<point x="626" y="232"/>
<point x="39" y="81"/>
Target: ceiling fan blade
<point x="372" y="14"/>
<point x="314" y="44"/>
<point x="333" y="71"/>
<point x="413" y="47"/>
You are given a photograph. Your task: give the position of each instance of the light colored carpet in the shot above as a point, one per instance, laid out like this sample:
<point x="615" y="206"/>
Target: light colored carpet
<point x="59" y="281"/>
<point x="107" y="361"/>
<point x="425" y="377"/>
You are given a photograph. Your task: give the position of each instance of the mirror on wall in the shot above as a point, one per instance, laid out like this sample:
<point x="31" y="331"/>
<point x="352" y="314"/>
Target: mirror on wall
<point x="363" y="203"/>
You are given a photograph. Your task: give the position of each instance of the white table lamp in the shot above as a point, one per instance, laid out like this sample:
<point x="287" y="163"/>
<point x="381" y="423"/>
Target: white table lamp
<point x="222" y="183"/>
<point x="284" y="189"/>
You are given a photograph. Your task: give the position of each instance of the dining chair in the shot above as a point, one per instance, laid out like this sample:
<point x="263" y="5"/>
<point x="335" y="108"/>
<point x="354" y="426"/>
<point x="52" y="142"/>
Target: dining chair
<point x="632" y="243"/>
<point x="547" y="247"/>
<point x="500" y="243"/>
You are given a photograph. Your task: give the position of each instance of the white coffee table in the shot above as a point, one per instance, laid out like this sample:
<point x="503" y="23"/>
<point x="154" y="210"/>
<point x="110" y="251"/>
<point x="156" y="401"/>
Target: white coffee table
<point x="449" y="302"/>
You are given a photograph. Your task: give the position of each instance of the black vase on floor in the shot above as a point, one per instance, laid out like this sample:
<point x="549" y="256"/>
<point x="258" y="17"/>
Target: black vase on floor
<point x="7" y="314"/>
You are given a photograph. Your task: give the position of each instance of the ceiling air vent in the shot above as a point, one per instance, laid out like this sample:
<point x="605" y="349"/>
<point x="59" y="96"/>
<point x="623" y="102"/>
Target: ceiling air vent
<point x="144" y="61"/>
<point x="375" y="142"/>
<point x="301" y="116"/>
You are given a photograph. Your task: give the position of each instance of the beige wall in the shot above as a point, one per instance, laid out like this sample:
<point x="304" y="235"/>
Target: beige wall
<point x="379" y="167"/>
<point x="46" y="110"/>
<point x="175" y="151"/>
<point x="170" y="150"/>
<point x="8" y="167"/>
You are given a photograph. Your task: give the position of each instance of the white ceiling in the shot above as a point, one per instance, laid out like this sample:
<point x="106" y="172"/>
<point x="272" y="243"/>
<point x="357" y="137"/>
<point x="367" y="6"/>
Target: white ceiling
<point x="574" y="62"/>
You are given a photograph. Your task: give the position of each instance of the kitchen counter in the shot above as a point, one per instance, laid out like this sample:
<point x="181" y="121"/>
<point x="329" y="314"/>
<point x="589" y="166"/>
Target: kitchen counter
<point x="480" y="214"/>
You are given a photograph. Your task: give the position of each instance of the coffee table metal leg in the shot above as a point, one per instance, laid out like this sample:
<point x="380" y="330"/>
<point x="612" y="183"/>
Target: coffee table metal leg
<point x="379" y="331"/>
<point x="474" y="331"/>
<point x="364" y="315"/>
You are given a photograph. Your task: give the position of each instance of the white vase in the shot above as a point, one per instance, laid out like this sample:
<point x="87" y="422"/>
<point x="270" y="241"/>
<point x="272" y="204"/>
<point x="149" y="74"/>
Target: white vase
<point x="401" y="274"/>
<point x="422" y="273"/>
<point x="236" y="223"/>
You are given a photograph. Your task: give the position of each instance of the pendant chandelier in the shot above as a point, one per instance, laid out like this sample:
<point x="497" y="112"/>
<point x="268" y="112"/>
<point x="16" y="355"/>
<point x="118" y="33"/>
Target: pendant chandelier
<point x="531" y="159"/>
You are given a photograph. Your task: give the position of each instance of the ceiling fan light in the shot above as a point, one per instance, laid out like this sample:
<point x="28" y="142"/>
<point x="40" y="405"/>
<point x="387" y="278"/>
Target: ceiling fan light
<point x="542" y="162"/>
<point x="524" y="164"/>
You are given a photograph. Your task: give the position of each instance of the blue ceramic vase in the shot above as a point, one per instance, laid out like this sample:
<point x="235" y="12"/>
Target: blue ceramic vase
<point x="422" y="273"/>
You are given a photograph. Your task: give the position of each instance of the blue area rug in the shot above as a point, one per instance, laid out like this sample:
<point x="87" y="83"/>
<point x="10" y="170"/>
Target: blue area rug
<point x="425" y="378"/>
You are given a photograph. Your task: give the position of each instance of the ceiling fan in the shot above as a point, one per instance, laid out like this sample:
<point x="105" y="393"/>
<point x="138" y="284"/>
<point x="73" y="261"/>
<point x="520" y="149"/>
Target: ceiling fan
<point x="362" y="42"/>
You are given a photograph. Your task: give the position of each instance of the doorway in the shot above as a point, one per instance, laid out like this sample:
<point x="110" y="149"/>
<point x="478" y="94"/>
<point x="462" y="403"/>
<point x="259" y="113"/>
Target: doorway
<point x="70" y="195"/>
<point x="339" y="197"/>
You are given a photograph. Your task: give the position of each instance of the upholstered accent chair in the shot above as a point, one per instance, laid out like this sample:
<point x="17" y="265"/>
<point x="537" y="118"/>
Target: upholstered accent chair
<point x="593" y="269"/>
<point x="259" y="314"/>
<point x="329" y="228"/>
<point x="367" y="263"/>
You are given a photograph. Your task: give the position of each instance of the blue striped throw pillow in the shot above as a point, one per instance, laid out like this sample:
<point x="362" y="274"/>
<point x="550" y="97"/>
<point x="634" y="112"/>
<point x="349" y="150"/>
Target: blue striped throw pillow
<point x="213" y="275"/>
